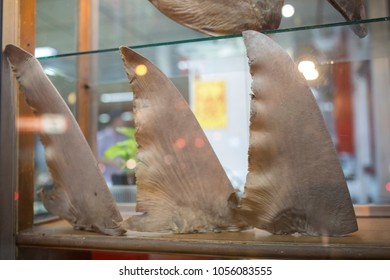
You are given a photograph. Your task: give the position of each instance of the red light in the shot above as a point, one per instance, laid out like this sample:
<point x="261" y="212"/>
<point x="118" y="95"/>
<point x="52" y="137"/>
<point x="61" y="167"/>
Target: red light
<point x="16" y="196"/>
<point x="28" y="124"/>
<point x="388" y="187"/>
<point x="199" y="142"/>
<point x="180" y="143"/>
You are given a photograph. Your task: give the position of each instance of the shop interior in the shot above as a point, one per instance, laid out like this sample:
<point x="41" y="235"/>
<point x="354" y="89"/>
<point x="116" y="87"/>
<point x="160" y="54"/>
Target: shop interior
<point x="349" y="78"/>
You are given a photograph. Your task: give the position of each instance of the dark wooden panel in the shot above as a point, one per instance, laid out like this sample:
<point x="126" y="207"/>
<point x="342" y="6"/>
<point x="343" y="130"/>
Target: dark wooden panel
<point x="51" y="254"/>
<point x="7" y="141"/>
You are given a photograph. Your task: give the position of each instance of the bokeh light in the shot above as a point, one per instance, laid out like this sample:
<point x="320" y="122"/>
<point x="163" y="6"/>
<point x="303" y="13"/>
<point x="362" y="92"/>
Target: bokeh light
<point x="308" y="69"/>
<point x="141" y="70"/>
<point x="131" y="164"/>
<point x="288" y="11"/>
<point x="180" y="143"/>
<point x="72" y="98"/>
<point x="199" y="142"/>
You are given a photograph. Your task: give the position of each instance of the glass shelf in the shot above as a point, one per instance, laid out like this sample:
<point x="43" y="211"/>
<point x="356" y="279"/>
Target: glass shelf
<point x="320" y="27"/>
<point x="138" y="22"/>
<point x="318" y="42"/>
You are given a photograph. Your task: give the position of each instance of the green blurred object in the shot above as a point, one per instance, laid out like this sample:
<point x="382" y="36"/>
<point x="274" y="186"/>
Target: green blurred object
<point x="126" y="149"/>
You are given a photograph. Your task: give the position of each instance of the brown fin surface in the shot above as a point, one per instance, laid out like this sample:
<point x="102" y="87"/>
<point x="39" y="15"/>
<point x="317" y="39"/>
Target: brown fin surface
<point x="80" y="195"/>
<point x="181" y="185"/>
<point x="295" y="182"/>
<point x="223" y="17"/>
<point x="352" y="10"/>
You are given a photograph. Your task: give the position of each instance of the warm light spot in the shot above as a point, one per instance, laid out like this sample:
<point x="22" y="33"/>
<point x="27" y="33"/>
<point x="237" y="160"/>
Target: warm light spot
<point x="199" y="142"/>
<point x="308" y="69"/>
<point x="131" y="164"/>
<point x="72" y="98"/>
<point x="53" y="124"/>
<point x="16" y="196"/>
<point x="28" y="124"/>
<point x="288" y="11"/>
<point x="388" y="187"/>
<point x="141" y="70"/>
<point x="180" y="143"/>
<point x="306" y="65"/>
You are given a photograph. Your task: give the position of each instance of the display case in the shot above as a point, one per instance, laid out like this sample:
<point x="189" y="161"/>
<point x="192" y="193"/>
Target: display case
<point x="77" y="45"/>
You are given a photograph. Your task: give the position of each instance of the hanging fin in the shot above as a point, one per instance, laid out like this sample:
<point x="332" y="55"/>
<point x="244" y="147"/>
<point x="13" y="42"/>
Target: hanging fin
<point x="295" y="182"/>
<point x="181" y="186"/>
<point x="223" y="17"/>
<point x="80" y="195"/>
<point x="352" y="10"/>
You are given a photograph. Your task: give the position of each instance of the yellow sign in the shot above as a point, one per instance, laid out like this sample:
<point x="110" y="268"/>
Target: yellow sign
<point x="210" y="104"/>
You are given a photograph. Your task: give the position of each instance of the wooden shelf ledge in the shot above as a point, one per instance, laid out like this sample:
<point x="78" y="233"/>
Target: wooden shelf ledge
<point x="372" y="241"/>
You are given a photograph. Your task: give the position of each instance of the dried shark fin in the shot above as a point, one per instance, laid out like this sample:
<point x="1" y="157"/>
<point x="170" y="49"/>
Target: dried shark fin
<point x="80" y="195"/>
<point x="294" y="183"/>
<point x="181" y="186"/>
<point x="223" y="17"/>
<point x="352" y="10"/>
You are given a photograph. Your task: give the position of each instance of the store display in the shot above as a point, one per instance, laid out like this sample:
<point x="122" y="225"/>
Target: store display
<point x="181" y="186"/>
<point x="352" y="10"/>
<point x="223" y="17"/>
<point x="80" y="194"/>
<point x="295" y="183"/>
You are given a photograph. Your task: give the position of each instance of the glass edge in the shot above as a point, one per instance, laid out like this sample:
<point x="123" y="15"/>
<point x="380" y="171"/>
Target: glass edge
<point x="187" y="41"/>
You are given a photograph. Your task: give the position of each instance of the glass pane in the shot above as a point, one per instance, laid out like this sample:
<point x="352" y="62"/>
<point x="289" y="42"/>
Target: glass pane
<point x="138" y="22"/>
<point x="56" y="27"/>
<point x="351" y="84"/>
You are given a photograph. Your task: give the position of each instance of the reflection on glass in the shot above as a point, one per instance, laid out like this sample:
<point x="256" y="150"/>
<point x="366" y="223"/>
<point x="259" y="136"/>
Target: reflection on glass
<point x="138" y="22"/>
<point x="46" y="123"/>
<point x="344" y="91"/>
<point x="141" y="70"/>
